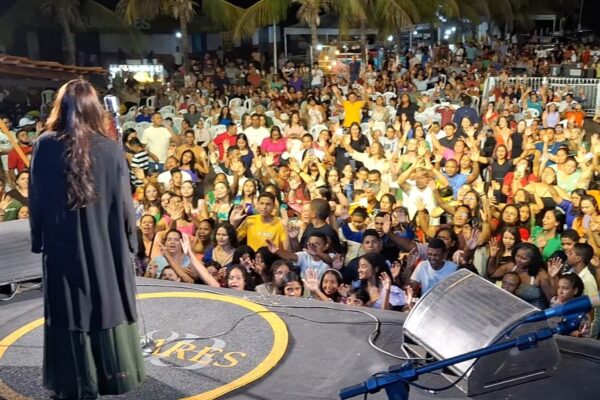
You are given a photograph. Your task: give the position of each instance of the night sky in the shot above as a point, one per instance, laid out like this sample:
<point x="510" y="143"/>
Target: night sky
<point x="591" y="9"/>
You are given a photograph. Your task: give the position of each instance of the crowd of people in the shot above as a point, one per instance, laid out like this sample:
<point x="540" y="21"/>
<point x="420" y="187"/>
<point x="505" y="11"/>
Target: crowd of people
<point x="367" y="185"/>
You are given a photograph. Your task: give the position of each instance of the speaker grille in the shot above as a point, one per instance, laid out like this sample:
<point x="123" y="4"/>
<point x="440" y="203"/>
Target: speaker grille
<point x="463" y="313"/>
<point x="18" y="262"/>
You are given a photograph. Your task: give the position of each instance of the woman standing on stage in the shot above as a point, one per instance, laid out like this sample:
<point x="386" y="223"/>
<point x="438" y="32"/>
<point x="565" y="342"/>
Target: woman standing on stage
<point x="83" y="222"/>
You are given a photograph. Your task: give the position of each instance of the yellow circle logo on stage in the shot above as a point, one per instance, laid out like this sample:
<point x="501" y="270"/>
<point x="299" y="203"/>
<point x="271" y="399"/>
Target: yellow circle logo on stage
<point x="205" y="345"/>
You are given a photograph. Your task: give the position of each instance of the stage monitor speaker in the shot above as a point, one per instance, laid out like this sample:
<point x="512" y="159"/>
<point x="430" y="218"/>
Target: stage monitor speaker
<point x="465" y="312"/>
<point x="17" y="262"/>
<point x="555" y="70"/>
<point x="573" y="72"/>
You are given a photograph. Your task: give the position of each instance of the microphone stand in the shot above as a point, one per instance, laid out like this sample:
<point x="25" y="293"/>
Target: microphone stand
<point x="112" y="106"/>
<point x="397" y="379"/>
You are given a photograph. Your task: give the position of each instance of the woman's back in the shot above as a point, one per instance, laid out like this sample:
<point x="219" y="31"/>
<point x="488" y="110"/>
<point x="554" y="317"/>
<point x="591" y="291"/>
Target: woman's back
<point x="87" y="245"/>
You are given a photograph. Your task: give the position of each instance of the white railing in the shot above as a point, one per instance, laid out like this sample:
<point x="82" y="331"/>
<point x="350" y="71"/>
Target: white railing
<point x="590" y="86"/>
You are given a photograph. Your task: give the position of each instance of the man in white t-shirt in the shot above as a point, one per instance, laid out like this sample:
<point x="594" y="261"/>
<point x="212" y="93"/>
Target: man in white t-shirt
<point x="255" y="132"/>
<point x="317" y="76"/>
<point x="435" y="269"/>
<point x="177" y="58"/>
<point x="157" y="139"/>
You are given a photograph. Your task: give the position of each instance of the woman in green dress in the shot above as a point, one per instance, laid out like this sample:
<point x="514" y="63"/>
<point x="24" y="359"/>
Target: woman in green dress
<point x="82" y="221"/>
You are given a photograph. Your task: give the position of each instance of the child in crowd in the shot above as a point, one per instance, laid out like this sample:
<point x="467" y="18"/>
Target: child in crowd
<point x="291" y="285"/>
<point x="351" y="232"/>
<point x="315" y="256"/>
<point x="569" y="287"/>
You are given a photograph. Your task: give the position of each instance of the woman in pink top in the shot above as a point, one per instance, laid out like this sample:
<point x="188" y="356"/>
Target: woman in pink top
<point x="274" y="144"/>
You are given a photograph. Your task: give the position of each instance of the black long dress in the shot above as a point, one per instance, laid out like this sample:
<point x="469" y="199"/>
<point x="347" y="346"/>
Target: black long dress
<point x="91" y="342"/>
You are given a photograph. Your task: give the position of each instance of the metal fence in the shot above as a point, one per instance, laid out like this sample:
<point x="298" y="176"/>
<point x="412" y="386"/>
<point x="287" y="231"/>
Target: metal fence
<point x="590" y="86"/>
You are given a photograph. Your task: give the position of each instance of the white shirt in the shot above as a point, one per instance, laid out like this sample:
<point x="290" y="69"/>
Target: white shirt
<point x="256" y="135"/>
<point x="178" y="58"/>
<point x="5" y="145"/>
<point x="305" y="261"/>
<point x="317" y="76"/>
<point x="429" y="277"/>
<point x="157" y="141"/>
<point x="165" y="178"/>
<point x="413" y="195"/>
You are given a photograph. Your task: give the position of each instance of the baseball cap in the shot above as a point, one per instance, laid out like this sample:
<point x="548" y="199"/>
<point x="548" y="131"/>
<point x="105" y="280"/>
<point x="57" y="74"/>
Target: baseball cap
<point x="25" y="121"/>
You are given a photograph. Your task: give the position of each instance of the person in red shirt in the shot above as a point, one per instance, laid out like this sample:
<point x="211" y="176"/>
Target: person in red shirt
<point x="225" y="139"/>
<point x="15" y="163"/>
<point x="523" y="176"/>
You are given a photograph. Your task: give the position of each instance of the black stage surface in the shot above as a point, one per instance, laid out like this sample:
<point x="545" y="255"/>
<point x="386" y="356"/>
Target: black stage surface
<point x="218" y="343"/>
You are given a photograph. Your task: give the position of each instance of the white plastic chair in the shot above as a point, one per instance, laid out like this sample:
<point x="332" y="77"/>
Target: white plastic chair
<point x="475" y="103"/>
<point x="375" y="95"/>
<point x="270" y="114"/>
<point x="239" y="111"/>
<point x="167" y="115"/>
<point x="389" y="95"/>
<point x="443" y="78"/>
<point x="533" y="112"/>
<point x="364" y="127"/>
<point x="317" y="129"/>
<point x="129" y="125"/>
<point x="235" y="103"/>
<point x="167" y="110"/>
<point x="140" y="127"/>
<point x="151" y="102"/>
<point x="177" y="121"/>
<point x="221" y="103"/>
<point x="130" y="116"/>
<point x="47" y="97"/>
<point x="249" y="105"/>
<point x="217" y="130"/>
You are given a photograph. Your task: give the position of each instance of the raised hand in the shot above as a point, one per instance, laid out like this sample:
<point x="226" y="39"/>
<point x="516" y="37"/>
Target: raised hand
<point x="494" y="247"/>
<point x="269" y="159"/>
<point x="410" y="294"/>
<point x="311" y="280"/>
<point x="272" y="246"/>
<point x="344" y="289"/>
<point x="555" y="266"/>
<point x="396" y="269"/>
<point x="386" y="281"/>
<point x="387" y="223"/>
<point x="473" y="239"/>
<point x="222" y="274"/>
<point x="185" y="244"/>
<point x="292" y="230"/>
<point x="238" y="213"/>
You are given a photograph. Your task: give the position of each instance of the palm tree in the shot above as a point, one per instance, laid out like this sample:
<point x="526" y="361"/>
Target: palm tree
<point x="67" y="13"/>
<point x="219" y="11"/>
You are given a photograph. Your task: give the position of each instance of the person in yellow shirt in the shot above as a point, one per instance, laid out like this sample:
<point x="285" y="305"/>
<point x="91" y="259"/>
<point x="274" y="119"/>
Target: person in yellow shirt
<point x="259" y="228"/>
<point x="352" y="109"/>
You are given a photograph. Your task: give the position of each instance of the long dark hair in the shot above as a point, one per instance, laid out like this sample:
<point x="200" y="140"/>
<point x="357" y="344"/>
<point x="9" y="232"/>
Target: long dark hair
<point x="76" y="116"/>
<point x="536" y="262"/>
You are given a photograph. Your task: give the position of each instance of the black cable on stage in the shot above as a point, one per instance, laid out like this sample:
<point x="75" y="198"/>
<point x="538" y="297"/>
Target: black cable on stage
<point x="371" y="338"/>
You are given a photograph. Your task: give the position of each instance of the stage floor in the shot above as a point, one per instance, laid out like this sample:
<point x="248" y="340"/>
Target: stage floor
<point x="218" y="343"/>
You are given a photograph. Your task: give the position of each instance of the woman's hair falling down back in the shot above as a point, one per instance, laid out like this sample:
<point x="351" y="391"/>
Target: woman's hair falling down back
<point x="77" y="115"/>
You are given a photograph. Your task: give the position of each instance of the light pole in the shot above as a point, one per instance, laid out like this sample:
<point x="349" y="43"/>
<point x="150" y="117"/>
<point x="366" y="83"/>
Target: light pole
<point x="580" y="15"/>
